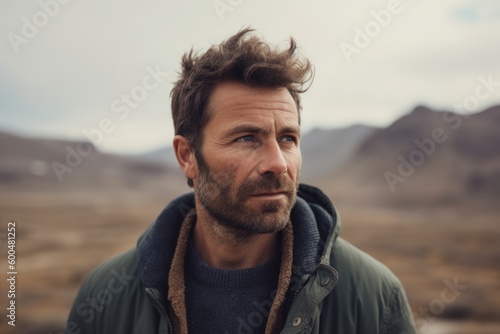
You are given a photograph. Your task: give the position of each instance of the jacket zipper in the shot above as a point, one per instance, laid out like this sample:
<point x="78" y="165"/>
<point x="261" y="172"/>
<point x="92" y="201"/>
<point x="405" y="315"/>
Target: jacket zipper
<point x="304" y="281"/>
<point x="155" y="298"/>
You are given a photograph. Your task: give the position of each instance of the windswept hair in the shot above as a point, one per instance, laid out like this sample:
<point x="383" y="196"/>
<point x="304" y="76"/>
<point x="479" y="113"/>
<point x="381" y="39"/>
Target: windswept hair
<point x="243" y="58"/>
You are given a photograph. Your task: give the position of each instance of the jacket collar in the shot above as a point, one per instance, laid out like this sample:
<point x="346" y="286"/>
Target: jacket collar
<point x="314" y="222"/>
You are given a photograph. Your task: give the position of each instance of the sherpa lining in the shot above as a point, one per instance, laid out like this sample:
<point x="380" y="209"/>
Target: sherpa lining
<point x="176" y="288"/>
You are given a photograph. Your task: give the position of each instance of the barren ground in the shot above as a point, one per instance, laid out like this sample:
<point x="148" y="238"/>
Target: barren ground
<point x="60" y="238"/>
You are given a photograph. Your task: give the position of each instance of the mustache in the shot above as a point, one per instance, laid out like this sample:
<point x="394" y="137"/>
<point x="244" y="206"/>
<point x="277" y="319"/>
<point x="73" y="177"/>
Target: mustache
<point x="268" y="183"/>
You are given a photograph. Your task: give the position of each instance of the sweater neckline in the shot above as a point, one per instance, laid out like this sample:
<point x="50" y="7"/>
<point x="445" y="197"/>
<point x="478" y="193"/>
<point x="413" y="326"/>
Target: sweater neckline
<point x="205" y="274"/>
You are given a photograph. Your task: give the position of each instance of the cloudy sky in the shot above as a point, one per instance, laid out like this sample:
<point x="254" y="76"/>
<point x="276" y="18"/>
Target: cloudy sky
<point x="69" y="67"/>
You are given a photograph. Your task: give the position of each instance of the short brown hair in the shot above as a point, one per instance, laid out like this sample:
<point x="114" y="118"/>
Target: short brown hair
<point x="242" y="58"/>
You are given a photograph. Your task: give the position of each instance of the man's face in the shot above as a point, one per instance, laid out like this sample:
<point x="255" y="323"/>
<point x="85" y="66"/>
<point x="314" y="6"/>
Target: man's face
<point x="250" y="158"/>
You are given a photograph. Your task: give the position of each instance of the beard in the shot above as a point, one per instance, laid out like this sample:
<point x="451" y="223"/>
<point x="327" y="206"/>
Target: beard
<point x="232" y="205"/>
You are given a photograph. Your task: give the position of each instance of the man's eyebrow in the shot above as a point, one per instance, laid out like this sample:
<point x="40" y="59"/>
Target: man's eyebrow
<point x="291" y="129"/>
<point x="245" y="128"/>
<point x="248" y="128"/>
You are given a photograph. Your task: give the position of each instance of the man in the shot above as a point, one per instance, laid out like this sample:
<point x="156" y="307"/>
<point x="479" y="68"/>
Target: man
<point x="251" y="250"/>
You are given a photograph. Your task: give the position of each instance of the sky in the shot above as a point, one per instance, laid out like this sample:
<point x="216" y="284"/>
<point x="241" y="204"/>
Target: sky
<point x="103" y="70"/>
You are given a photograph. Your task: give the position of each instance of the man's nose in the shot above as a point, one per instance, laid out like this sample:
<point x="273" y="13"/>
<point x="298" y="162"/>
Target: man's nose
<point x="272" y="160"/>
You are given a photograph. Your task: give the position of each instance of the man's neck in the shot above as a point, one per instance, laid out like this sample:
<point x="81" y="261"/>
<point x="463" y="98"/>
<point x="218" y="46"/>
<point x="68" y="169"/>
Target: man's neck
<point x="225" y="248"/>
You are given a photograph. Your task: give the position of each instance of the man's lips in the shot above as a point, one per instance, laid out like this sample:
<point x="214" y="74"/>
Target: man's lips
<point x="271" y="194"/>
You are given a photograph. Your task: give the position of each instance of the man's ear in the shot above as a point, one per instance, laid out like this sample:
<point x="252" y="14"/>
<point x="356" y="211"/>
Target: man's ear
<point x="185" y="157"/>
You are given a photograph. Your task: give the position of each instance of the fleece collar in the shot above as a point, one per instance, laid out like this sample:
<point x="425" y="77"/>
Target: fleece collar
<point x="314" y="222"/>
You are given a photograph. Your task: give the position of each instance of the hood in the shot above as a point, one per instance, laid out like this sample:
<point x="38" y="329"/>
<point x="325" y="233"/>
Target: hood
<point x="315" y="225"/>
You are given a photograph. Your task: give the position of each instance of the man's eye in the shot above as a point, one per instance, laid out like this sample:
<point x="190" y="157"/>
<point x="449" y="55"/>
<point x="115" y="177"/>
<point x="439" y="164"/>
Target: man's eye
<point x="289" y="139"/>
<point x="248" y="138"/>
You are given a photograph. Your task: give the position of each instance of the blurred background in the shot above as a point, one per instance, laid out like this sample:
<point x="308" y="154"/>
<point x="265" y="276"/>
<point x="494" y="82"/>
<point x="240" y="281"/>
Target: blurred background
<point x="400" y="128"/>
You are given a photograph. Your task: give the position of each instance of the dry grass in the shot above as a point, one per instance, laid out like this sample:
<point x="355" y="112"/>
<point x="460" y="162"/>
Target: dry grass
<point x="61" y="238"/>
<point x="424" y="248"/>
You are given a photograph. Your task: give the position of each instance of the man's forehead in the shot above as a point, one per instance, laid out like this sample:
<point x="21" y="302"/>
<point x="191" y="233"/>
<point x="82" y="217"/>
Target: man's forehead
<point x="232" y="99"/>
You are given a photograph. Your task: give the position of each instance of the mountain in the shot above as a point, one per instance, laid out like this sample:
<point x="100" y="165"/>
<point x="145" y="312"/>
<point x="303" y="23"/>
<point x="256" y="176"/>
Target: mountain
<point x="29" y="163"/>
<point x="162" y="155"/>
<point x="324" y="150"/>
<point x="425" y="156"/>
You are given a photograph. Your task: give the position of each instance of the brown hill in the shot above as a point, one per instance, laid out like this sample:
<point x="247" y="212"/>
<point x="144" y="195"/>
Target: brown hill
<point x="425" y="157"/>
<point x="324" y="150"/>
<point x="48" y="164"/>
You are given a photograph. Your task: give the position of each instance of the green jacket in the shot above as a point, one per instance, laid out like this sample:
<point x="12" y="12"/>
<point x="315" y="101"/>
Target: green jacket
<point x="340" y="290"/>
